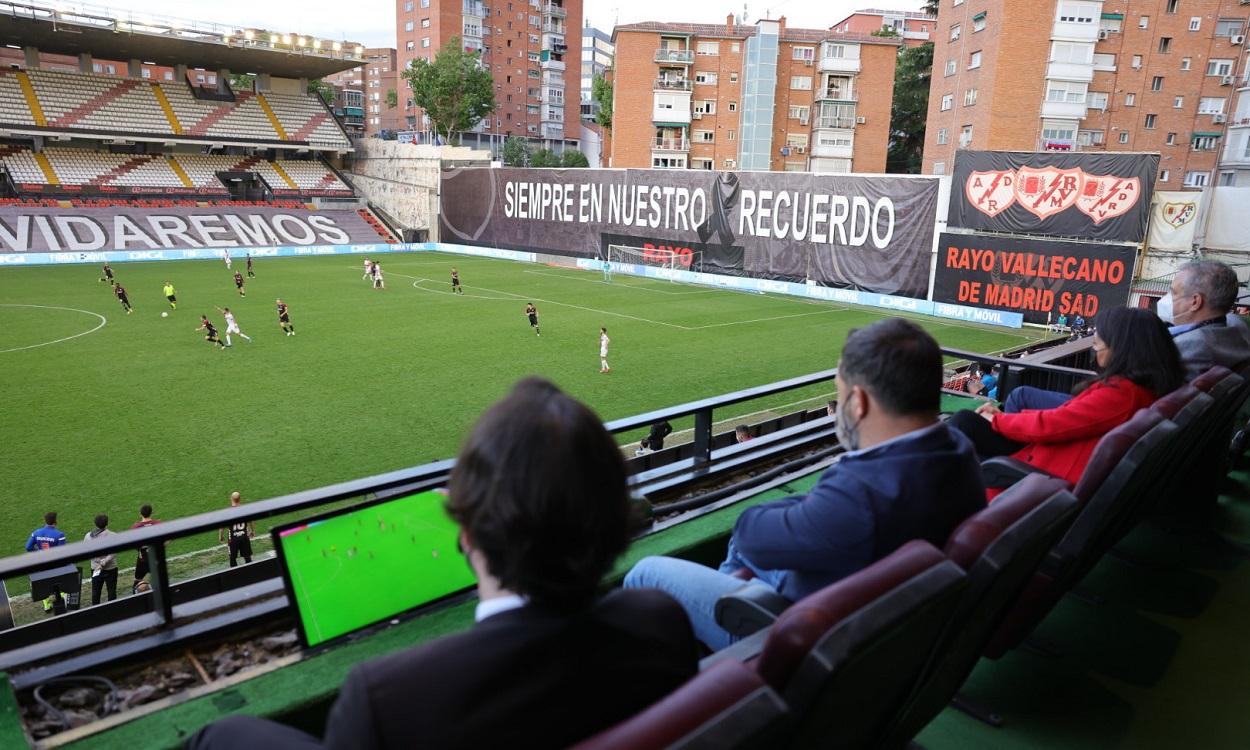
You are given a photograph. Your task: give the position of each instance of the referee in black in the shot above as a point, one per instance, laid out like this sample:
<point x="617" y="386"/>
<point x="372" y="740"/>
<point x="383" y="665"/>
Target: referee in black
<point x="238" y="535"/>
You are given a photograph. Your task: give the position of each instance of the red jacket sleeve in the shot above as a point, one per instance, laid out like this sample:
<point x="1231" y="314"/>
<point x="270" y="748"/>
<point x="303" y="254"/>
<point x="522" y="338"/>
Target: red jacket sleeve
<point x="1096" y="411"/>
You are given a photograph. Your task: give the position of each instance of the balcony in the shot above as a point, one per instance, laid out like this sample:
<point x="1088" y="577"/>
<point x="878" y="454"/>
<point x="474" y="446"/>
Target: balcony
<point x="553" y="115"/>
<point x="670" y="116"/>
<point x="832" y="152"/>
<point x="473" y="8"/>
<point x="472" y="31"/>
<point x="675" y="56"/>
<point x="550" y="63"/>
<point x="921" y="35"/>
<point x="552" y="130"/>
<point x="673" y="84"/>
<point x="1065" y="71"/>
<point x="837" y="95"/>
<point x="839" y="65"/>
<point x="555" y="11"/>
<point x="553" y="79"/>
<point x="1063" y="110"/>
<point x="554" y="27"/>
<point x="1074" y="32"/>
<point x="671" y="145"/>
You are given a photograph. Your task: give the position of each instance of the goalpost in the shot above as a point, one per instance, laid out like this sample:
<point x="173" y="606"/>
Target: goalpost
<point x="676" y="260"/>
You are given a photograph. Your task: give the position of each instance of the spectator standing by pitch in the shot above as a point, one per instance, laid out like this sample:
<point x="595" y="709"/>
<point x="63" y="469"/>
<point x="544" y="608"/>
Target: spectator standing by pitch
<point x="141" y="562"/>
<point x="103" y="569"/>
<point x="238" y="535"/>
<point x="46" y="537"/>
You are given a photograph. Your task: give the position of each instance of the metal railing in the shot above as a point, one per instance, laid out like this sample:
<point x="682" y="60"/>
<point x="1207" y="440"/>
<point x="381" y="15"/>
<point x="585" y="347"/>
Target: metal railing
<point x="835" y="122"/>
<point x="663" y="55"/>
<point x="671" y="144"/>
<point x="556" y="11"/>
<point x="673" y="84"/>
<point x="838" y="95"/>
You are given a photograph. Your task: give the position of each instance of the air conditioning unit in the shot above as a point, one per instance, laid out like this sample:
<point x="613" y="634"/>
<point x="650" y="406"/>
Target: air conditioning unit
<point x="861" y="120"/>
<point x="808" y="63"/>
<point x="1218" y="118"/>
<point x="1237" y="39"/>
<point x="1103" y="34"/>
<point x="800" y="149"/>
<point x="1226" y="81"/>
<point x="696" y="116"/>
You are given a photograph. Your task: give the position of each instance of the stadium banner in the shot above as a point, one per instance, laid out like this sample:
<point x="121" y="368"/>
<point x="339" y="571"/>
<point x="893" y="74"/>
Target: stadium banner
<point x="1086" y="195"/>
<point x="1039" y="279"/>
<point x="30" y="229"/>
<point x="124" y="256"/>
<point x="867" y="232"/>
<point x="1173" y="219"/>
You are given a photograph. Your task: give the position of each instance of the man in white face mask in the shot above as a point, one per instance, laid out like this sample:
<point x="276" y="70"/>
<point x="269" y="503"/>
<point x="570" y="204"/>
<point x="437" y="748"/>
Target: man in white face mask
<point x="1197" y="306"/>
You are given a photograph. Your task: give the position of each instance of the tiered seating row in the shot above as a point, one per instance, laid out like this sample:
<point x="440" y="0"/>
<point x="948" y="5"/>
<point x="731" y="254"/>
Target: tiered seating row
<point x="77" y="101"/>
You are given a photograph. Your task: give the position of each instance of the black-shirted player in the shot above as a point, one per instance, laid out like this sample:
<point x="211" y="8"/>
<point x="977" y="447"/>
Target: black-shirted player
<point x="108" y="274"/>
<point x="120" y="291"/>
<point x="455" y="282"/>
<point x="210" y="333"/>
<point x="238" y="283"/>
<point x="532" y="313"/>
<point x="238" y="535"/>
<point x="250" y="273"/>
<point x="284" y="318"/>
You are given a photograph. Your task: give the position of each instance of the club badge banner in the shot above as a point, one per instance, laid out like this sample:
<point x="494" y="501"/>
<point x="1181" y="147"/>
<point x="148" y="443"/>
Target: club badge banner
<point x="1103" y="196"/>
<point x="1173" y="221"/>
<point x="872" y="233"/>
<point x="1041" y="279"/>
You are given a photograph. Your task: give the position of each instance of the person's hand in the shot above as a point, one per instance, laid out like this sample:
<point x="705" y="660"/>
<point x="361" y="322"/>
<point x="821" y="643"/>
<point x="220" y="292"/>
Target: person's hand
<point x="988" y="410"/>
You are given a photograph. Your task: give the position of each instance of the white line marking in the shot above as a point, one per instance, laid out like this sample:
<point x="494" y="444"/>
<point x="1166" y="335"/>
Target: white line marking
<point x="639" y="287"/>
<point x="103" y="320"/>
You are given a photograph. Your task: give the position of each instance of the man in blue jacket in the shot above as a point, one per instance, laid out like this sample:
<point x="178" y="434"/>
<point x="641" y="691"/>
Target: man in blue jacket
<point x="47" y="536"/>
<point x="905" y="476"/>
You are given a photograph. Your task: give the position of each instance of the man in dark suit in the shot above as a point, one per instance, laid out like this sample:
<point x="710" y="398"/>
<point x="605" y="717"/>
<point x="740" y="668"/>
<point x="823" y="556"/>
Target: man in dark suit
<point x="539" y="492"/>
<point x="1201" y="296"/>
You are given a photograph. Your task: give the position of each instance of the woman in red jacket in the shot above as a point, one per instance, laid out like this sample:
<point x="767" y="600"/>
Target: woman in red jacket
<point x="1137" y="363"/>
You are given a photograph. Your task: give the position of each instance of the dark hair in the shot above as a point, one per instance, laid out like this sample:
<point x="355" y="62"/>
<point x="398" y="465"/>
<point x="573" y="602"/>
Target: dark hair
<point x="1215" y="281"/>
<point x="1141" y="350"/>
<point x="145" y="510"/>
<point x="742" y="429"/>
<point x="50" y="518"/>
<point x="540" y="488"/>
<point x="101" y="521"/>
<point x="898" y="363"/>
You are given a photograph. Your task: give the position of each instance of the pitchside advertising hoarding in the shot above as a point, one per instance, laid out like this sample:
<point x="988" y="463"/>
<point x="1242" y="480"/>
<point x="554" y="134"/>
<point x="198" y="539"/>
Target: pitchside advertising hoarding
<point x="1095" y="196"/>
<point x="868" y="233"/>
<point x="1039" y="279"/>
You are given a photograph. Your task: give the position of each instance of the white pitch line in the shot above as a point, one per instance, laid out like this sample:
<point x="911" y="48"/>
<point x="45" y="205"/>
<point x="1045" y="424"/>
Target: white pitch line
<point x="103" y="320"/>
<point x="765" y="320"/>
<point x="639" y="287"/>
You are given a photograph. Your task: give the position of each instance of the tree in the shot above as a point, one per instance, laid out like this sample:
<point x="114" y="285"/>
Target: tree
<point x="601" y="92"/>
<point x="392" y="98"/>
<point x="544" y="158"/>
<point x="242" y="81"/>
<point x="515" y="152"/>
<point x="322" y="89"/>
<point x="454" y="90"/>
<point x="930" y="7"/>
<point x="886" y="32"/>
<point x="572" y="159"/>
<point x="911" y="106"/>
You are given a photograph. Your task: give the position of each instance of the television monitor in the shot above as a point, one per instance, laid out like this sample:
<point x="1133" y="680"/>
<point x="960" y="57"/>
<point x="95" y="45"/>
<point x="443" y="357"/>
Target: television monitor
<point x="352" y="568"/>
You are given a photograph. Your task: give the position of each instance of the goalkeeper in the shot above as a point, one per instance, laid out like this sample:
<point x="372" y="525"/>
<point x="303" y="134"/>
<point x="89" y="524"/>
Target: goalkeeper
<point x="607" y="270"/>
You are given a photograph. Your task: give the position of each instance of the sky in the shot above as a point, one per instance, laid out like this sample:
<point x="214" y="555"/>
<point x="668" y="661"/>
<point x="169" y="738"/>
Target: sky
<point x="372" y="22"/>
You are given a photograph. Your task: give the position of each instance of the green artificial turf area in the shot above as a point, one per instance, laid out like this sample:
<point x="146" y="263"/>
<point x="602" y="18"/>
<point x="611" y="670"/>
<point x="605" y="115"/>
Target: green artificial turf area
<point x="131" y="409"/>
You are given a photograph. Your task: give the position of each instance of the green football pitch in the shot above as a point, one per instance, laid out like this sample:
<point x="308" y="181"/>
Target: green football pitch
<point x="105" y="411"/>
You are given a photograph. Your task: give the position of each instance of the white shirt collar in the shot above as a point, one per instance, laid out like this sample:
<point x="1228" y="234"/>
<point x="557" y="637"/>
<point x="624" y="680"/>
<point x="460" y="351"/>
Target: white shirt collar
<point x="492" y="607"/>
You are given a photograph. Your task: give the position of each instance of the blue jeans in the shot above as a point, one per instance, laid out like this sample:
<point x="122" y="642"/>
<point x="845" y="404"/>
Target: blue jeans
<point x="1028" y="397"/>
<point x="697" y="587"/>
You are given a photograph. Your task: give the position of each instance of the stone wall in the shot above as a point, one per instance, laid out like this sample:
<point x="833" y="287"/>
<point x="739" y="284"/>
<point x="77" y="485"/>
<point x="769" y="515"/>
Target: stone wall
<point x="402" y="178"/>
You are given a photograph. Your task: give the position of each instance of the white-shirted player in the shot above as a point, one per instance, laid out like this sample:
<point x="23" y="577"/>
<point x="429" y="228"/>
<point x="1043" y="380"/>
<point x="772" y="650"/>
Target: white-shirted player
<point x="368" y="269"/>
<point x="603" y="350"/>
<point x="232" y="325"/>
<point x="225" y="254"/>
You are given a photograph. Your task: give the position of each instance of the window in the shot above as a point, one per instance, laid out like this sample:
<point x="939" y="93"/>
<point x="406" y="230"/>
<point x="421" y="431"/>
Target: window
<point x="735" y="47"/>
<point x="939" y="167"/>
<point x="411" y="45"/>
<point x="1150" y="121"/>
<point x="733" y="77"/>
<point x="1123" y="136"/>
<point x="970" y="97"/>
<point x="1195" y="179"/>
<point x="948" y="101"/>
<point x="1156" y="83"/>
<point x="950" y="67"/>
<point x="1165" y="45"/>
<point x="1130" y="100"/>
<point x="1066" y="91"/>
<point x="1210" y="105"/>
<point x="1228" y="27"/>
<point x="803" y="53"/>
<point x="1217" y="67"/>
<point x="955" y="32"/>
<point x="1098" y="100"/>
<point x="425" y="42"/>
<point x="974" y="60"/>
<point x="1205" y="142"/>
<point x="704" y="136"/>
<point x="1056" y="131"/>
<point x="707" y="48"/>
<point x="1067" y="52"/>
<point x="1143" y="22"/>
<point x="408" y="6"/>
<point x="836" y="51"/>
<point x="731" y="135"/>
<point x="1136" y="62"/>
<point x="978" y="22"/>
<point x="1089" y="137"/>
<point x="1228" y="179"/>
<point x="733" y="106"/>
<point x="1111" y="25"/>
<point x="796" y="140"/>
<point x="1104" y="61"/>
<point x="965" y="136"/>
<point x="1195" y="23"/>
<point x="1165" y="175"/>
<point x="1077" y="13"/>
<point x="801" y="83"/>
<point x="1185" y="63"/>
<point x="942" y="137"/>
<point x="1178" y="102"/>
<point x="705" y="78"/>
<point x="702" y="164"/>
<point x="1171" y="141"/>
<point x="408" y="26"/>
<point x="706" y="106"/>
<point x="799" y="112"/>
<point x="169" y="75"/>
<point x="146" y="73"/>
<point x="1172" y="6"/>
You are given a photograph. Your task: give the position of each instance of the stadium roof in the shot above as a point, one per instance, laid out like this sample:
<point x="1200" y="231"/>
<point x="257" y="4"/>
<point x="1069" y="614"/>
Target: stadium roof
<point x="121" y="35"/>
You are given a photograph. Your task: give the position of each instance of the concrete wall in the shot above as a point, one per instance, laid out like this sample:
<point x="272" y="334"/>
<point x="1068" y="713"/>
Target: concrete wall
<point x="402" y="178"/>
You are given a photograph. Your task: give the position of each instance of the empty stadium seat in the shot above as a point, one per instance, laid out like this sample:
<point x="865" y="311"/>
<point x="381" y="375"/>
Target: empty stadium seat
<point x="726" y="706"/>
<point x="1000" y="548"/>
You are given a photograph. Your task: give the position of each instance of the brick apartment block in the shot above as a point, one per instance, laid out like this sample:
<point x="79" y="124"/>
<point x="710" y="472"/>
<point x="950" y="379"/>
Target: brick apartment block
<point x="365" y="88"/>
<point x="913" y="27"/>
<point x="680" y="97"/>
<point x="1122" y="75"/>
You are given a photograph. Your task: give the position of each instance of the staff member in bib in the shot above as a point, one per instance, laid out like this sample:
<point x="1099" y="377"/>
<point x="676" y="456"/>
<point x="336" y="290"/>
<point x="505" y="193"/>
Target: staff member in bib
<point x="238" y="535"/>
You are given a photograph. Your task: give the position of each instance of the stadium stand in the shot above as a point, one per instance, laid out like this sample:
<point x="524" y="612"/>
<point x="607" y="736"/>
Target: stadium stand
<point x="45" y="100"/>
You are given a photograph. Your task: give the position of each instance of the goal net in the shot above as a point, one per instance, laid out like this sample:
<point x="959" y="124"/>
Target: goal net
<point x="680" y="259"/>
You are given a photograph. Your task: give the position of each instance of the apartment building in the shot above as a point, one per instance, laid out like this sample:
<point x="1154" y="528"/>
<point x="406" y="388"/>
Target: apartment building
<point x="1121" y="75"/>
<point x="371" y="81"/>
<point x="1234" y="166"/>
<point x="761" y="97"/>
<point x="597" y="53"/>
<point x="524" y="43"/>
<point x="913" y="27"/>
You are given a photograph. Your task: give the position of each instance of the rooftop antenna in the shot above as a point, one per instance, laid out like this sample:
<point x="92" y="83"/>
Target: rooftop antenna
<point x="744" y="14"/>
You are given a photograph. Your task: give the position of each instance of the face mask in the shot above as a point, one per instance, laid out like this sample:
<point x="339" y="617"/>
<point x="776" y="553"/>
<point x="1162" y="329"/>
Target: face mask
<point x="1164" y="308"/>
<point x="848" y="434"/>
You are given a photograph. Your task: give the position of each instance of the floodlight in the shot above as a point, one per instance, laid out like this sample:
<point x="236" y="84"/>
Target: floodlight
<point x="286" y="39"/>
<point x="338" y="47"/>
<point x="249" y="35"/>
<point x="300" y="42"/>
<point x="316" y="44"/>
<point x="359" y="50"/>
